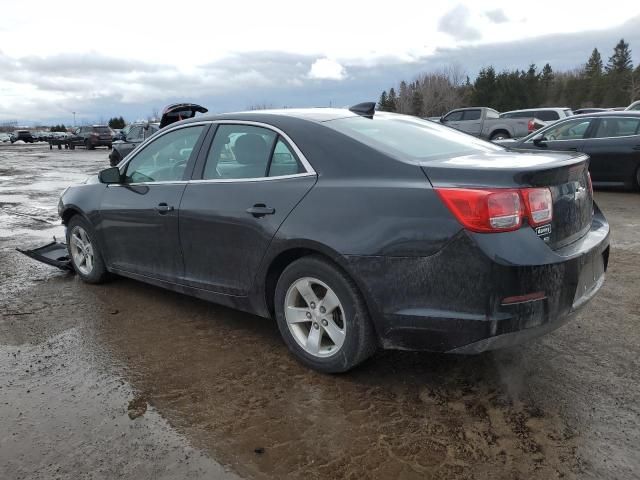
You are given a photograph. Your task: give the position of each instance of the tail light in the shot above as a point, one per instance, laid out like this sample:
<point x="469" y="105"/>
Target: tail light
<point x="95" y="134"/>
<point x="498" y="210"/>
<point x="531" y="126"/>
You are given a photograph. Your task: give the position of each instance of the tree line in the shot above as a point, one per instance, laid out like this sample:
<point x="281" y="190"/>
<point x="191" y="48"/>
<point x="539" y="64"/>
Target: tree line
<point x="594" y="84"/>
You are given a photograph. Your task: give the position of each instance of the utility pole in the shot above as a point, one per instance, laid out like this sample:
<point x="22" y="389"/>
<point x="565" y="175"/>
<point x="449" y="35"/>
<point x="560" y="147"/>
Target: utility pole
<point x="74" y="119"/>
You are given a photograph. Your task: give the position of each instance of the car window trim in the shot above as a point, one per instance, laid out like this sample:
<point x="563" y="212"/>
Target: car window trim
<point x="309" y="171"/>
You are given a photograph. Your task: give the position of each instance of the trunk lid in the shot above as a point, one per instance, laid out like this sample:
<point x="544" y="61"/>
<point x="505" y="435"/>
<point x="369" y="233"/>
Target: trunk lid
<point x="566" y="175"/>
<point x="180" y="111"/>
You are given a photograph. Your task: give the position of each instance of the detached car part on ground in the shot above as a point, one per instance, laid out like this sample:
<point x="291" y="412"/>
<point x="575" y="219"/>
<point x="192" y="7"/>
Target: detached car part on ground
<point x="355" y="230"/>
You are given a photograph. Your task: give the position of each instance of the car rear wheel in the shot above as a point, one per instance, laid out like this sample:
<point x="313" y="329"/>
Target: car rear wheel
<point x="322" y="316"/>
<point x="88" y="145"/>
<point x="83" y="251"/>
<point x="637" y="185"/>
<point x="500" y="136"/>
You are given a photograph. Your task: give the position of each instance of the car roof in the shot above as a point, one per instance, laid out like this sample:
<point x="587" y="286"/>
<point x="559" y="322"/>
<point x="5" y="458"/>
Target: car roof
<point x="318" y="114"/>
<point x="611" y="113"/>
<point x="537" y="109"/>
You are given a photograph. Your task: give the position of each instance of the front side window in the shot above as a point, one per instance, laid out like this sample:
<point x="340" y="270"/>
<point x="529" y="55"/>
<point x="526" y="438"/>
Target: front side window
<point x="239" y="151"/>
<point x="617" y="127"/>
<point x="454" y="116"/>
<point x="410" y="139"/>
<point x="571" y="130"/>
<point x="135" y="134"/>
<point x="164" y="159"/>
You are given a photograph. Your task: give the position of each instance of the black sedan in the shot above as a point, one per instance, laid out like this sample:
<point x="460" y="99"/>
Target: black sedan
<point x="611" y="139"/>
<point x="354" y="229"/>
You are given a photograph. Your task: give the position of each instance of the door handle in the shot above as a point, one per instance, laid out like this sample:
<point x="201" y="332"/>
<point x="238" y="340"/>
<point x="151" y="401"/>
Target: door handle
<point x="260" y="210"/>
<point x="163" y="208"/>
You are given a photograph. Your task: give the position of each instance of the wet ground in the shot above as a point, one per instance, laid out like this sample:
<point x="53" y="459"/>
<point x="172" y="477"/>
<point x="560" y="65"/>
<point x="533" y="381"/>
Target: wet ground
<point x="129" y="380"/>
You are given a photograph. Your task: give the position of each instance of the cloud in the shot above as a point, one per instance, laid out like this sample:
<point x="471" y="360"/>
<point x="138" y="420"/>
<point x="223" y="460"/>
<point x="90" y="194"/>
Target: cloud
<point x="497" y="15"/>
<point x="327" y="69"/>
<point x="456" y="23"/>
<point x="48" y="88"/>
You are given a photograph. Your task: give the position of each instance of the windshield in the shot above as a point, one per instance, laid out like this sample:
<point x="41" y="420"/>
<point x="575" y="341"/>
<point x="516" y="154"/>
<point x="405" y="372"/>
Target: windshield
<point x="409" y="138"/>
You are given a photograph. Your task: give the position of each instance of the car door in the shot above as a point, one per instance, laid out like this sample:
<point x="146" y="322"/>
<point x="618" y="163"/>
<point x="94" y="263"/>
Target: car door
<point x="472" y="121"/>
<point x="245" y="184"/>
<point x="138" y="219"/>
<point x="568" y="135"/>
<point x="453" y="119"/>
<point x="614" y="148"/>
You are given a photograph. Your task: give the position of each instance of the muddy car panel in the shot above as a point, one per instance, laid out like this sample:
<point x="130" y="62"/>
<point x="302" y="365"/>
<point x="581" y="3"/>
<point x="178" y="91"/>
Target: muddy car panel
<point x="429" y="283"/>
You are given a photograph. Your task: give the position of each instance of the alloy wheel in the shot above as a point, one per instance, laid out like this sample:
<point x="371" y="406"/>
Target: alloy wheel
<point x="81" y="250"/>
<point x="315" y="317"/>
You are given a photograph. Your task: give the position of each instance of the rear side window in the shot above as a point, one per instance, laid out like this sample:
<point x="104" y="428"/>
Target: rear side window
<point x="284" y="161"/>
<point x="517" y="115"/>
<point x="410" y="139"/>
<point x="239" y="151"/>
<point x="547" y="115"/>
<point x="617" y="127"/>
<point x="491" y="113"/>
<point x="471" y="115"/>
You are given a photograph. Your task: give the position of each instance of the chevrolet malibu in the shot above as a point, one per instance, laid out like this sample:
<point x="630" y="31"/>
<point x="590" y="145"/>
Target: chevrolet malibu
<point x="354" y="229"/>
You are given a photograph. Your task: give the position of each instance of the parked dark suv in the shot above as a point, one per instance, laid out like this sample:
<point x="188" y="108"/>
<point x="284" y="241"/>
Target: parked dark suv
<point x="24" y="135"/>
<point x="91" y="137"/>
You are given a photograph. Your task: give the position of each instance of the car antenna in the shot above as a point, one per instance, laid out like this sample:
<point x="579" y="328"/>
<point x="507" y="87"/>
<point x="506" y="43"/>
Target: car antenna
<point x="366" y="109"/>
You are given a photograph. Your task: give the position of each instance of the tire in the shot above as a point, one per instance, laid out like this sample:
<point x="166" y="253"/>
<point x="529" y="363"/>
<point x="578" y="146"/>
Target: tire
<point x="81" y="245"/>
<point x="637" y="182"/>
<point x="88" y="145"/>
<point x="72" y="147"/>
<point x="499" y="136"/>
<point x="349" y="321"/>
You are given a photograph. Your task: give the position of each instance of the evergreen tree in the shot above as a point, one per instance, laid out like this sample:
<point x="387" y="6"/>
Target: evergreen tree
<point x="392" y="101"/>
<point x="593" y="67"/>
<point x="382" y="103"/>
<point x="619" y="81"/>
<point x="417" y="106"/>
<point x="484" y="88"/>
<point x="620" y="61"/>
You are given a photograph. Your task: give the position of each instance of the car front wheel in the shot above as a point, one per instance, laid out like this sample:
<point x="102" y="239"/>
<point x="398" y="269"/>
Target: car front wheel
<point x="322" y="316"/>
<point x="83" y="251"/>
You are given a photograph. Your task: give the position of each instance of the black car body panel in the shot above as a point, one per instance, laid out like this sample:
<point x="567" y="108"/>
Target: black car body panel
<point x="428" y="283"/>
<point x="54" y="253"/>
<point x="180" y="111"/>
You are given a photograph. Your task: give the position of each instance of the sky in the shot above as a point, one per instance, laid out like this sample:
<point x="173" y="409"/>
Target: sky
<point x="104" y="59"/>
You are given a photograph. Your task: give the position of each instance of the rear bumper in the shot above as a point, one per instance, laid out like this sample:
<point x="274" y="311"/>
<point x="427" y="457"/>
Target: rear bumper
<point x="453" y="301"/>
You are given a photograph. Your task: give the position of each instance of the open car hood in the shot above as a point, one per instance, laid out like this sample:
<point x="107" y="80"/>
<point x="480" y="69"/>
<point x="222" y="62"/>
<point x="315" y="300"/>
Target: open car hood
<point x="180" y="111"/>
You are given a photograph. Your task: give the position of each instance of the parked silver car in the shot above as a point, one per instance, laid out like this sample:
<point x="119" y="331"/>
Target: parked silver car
<point x="486" y="123"/>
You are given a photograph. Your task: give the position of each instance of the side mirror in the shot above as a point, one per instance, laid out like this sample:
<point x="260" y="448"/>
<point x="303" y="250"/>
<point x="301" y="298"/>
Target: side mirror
<point x="442" y="119"/>
<point x="110" y="175"/>
<point x="540" y="141"/>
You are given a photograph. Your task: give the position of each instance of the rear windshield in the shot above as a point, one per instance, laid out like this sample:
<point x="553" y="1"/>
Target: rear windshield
<point x="102" y="130"/>
<point x="409" y="138"/>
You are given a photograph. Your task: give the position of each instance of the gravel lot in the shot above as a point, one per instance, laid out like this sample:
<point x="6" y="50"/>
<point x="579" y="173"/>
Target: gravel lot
<point x="129" y="380"/>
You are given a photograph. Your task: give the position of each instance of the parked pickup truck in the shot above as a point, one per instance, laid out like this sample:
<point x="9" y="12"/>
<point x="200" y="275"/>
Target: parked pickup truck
<point x="486" y="123"/>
